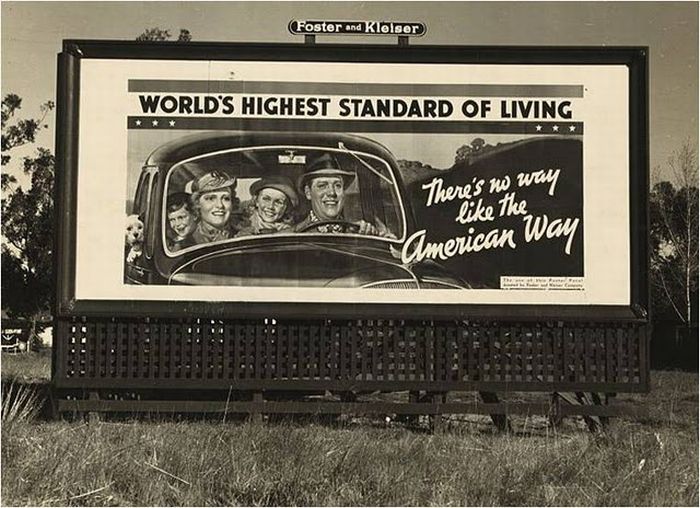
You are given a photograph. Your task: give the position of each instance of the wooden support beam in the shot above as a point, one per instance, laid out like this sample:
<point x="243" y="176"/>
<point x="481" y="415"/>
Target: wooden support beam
<point x="413" y="398"/>
<point x="255" y="413"/>
<point x="555" y="415"/>
<point x="258" y="405"/>
<point x="93" y="416"/>
<point x="436" y="421"/>
<point x="501" y="421"/>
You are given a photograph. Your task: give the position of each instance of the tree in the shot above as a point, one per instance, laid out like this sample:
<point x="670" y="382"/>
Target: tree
<point x="158" y="34"/>
<point x="478" y="144"/>
<point x="20" y="132"/>
<point x="674" y="236"/>
<point x="463" y="153"/>
<point x="413" y="171"/>
<point x="466" y="153"/>
<point x="27" y="225"/>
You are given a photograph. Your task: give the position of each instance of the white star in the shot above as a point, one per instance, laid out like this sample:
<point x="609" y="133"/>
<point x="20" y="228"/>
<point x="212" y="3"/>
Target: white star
<point x="171" y="123"/>
<point x="538" y="128"/>
<point x="572" y="128"/>
<point x="155" y="123"/>
<point x="138" y="122"/>
<point x="555" y="128"/>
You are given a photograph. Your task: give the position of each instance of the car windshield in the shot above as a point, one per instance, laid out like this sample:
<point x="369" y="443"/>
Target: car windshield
<point x="242" y="194"/>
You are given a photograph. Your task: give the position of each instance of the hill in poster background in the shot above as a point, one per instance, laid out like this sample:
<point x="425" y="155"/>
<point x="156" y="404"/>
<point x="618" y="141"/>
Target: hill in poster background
<point x="547" y="230"/>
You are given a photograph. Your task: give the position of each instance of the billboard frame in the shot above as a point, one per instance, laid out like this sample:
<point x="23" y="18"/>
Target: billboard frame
<point x="66" y="304"/>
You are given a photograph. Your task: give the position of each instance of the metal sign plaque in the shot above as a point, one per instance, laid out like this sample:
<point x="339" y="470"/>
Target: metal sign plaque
<point x="325" y="27"/>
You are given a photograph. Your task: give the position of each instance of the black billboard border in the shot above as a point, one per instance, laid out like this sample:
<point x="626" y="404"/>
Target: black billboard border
<point x="635" y="58"/>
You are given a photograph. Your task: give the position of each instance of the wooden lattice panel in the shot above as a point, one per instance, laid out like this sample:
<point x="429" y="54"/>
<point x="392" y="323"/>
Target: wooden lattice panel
<point x="388" y="354"/>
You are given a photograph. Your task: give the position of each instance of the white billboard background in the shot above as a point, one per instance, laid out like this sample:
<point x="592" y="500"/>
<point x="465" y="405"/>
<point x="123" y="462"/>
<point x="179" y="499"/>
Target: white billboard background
<point x="104" y="170"/>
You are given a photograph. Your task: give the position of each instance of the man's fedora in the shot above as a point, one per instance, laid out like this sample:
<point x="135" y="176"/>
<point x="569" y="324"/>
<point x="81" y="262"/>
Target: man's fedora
<point x="325" y="165"/>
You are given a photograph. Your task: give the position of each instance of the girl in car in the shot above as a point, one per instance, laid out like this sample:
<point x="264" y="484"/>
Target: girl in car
<point x="271" y="208"/>
<point x="213" y="198"/>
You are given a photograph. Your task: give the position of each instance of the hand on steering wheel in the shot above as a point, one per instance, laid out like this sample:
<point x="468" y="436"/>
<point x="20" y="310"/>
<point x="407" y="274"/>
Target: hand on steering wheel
<point x="366" y="228"/>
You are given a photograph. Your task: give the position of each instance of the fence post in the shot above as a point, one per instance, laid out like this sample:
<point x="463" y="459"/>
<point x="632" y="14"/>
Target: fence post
<point x="93" y="416"/>
<point x="256" y="414"/>
<point x="436" y="418"/>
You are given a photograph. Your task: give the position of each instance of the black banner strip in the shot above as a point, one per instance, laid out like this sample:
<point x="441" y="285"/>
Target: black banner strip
<point x="326" y="125"/>
<point x="379" y="89"/>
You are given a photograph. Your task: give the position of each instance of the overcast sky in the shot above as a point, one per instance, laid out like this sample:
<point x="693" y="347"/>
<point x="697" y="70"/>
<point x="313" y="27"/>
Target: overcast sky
<point x="32" y="33"/>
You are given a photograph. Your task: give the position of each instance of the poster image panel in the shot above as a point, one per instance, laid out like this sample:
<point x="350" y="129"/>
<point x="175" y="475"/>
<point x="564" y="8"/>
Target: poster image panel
<point x="353" y="183"/>
<point x="331" y="210"/>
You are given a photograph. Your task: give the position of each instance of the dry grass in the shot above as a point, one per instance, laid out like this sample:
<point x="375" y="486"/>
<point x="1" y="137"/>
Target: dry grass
<point x="20" y="404"/>
<point x="32" y="366"/>
<point x="649" y="461"/>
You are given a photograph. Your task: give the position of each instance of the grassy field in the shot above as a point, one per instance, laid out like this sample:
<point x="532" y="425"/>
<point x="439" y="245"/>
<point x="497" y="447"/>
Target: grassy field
<point x="638" y="461"/>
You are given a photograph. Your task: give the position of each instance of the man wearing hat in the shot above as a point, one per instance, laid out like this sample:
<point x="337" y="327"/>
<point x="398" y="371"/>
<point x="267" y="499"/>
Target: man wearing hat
<point x="270" y="210"/>
<point x="212" y="196"/>
<point x="324" y="184"/>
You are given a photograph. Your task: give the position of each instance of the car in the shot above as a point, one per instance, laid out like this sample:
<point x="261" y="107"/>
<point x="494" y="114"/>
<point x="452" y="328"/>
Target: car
<point x="295" y="256"/>
<point x="16" y="333"/>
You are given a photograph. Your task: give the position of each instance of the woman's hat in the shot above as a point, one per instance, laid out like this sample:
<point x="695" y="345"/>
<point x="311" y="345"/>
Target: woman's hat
<point x="325" y="165"/>
<point x="280" y="183"/>
<point x="209" y="182"/>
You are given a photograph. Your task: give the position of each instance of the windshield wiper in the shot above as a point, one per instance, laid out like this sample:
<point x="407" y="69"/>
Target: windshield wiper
<point x="342" y="146"/>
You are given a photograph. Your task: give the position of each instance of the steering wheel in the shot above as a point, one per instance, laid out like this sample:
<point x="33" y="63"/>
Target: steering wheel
<point x="349" y="226"/>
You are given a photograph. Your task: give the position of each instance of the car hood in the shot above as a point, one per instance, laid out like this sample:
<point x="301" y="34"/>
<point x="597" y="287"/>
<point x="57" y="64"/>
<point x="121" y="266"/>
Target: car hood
<point x="306" y="264"/>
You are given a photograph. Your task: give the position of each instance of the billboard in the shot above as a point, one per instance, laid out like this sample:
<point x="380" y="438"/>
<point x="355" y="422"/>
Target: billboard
<point x="272" y="178"/>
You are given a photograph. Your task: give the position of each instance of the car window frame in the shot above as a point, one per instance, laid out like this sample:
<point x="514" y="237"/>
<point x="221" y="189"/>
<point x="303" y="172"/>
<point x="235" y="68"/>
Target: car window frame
<point x="231" y="241"/>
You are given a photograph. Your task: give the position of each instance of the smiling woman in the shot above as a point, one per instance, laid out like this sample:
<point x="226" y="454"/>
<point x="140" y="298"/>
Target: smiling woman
<point x="212" y="198"/>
